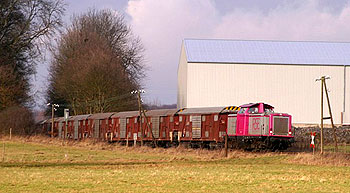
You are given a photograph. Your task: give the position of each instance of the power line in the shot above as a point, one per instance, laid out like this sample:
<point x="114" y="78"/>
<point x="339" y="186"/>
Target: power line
<point x="119" y="97"/>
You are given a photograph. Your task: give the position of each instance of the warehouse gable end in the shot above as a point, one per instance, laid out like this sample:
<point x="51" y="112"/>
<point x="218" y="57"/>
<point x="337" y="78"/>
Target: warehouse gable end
<point x="233" y="72"/>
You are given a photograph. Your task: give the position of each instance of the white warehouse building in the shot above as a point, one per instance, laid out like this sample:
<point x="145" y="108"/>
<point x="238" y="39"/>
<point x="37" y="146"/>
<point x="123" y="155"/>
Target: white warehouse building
<point x="280" y="73"/>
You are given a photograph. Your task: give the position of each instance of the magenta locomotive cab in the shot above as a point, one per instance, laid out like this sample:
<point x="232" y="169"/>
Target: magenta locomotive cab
<point x="258" y="122"/>
<point x="259" y="119"/>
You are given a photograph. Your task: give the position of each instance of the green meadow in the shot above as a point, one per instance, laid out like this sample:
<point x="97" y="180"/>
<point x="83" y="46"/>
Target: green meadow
<point x="43" y="165"/>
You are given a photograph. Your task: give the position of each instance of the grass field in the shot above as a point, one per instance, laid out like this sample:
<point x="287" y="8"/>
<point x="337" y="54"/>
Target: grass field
<point x="41" y="165"/>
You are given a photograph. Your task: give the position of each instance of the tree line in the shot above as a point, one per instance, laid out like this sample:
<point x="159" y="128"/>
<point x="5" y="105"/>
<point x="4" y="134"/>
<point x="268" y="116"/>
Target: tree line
<point x="96" y="61"/>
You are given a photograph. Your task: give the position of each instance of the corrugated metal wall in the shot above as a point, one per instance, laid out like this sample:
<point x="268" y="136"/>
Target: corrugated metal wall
<point x="196" y="126"/>
<point x="60" y="129"/>
<point x="155" y="126"/>
<point x="290" y="88"/>
<point x="76" y="128"/>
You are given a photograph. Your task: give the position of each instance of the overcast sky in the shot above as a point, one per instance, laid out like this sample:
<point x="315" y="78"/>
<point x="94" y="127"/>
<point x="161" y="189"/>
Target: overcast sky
<point x="163" y="24"/>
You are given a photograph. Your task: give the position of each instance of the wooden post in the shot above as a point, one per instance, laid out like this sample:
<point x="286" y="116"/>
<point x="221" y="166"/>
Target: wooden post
<point x="226" y="145"/>
<point x="65" y="130"/>
<point x="226" y="142"/>
<point x="10" y="133"/>
<point x="127" y="139"/>
<point x="149" y="128"/>
<point x="322" y="80"/>
<point x="330" y="114"/>
<point x="140" y="114"/>
<point x="52" y="115"/>
<point x="135" y="139"/>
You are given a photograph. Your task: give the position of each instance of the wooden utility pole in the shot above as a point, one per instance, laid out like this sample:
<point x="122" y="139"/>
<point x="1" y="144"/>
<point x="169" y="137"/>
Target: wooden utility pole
<point x="331" y="117"/>
<point x="66" y="116"/>
<point x="140" y="114"/>
<point x="324" y="87"/>
<point x="52" y="116"/>
<point x="149" y="128"/>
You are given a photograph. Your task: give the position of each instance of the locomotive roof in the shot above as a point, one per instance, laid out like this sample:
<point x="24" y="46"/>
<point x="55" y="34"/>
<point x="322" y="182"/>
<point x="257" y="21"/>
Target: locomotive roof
<point x="255" y="104"/>
<point x="100" y="116"/>
<point x="125" y="114"/>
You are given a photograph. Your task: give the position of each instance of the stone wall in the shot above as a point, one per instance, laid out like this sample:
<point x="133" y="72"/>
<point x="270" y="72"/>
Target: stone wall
<point x="302" y="134"/>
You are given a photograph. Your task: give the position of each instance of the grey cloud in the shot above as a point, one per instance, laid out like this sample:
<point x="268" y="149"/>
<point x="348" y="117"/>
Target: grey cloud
<point x="163" y="24"/>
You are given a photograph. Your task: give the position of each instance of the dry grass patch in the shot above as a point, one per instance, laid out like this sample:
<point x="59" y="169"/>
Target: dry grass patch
<point x="327" y="159"/>
<point x="175" y="153"/>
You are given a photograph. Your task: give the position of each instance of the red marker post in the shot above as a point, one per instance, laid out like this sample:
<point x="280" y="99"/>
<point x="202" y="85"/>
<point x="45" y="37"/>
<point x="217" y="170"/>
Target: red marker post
<point x="312" y="144"/>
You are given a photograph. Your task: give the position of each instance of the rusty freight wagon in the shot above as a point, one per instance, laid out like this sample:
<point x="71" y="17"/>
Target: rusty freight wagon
<point x="56" y="126"/>
<point x="202" y="126"/>
<point x="70" y="128"/>
<point x="98" y="124"/>
<point x="76" y="126"/>
<point x="126" y="126"/>
<point x="46" y="126"/>
<point x="160" y="124"/>
<point x="123" y="125"/>
<point x="83" y="123"/>
<point x="60" y="126"/>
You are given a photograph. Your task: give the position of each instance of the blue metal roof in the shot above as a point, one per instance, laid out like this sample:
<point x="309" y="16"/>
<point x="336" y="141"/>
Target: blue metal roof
<point x="267" y="52"/>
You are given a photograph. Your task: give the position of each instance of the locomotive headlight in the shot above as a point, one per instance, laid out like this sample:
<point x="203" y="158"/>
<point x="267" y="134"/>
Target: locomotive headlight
<point x="290" y="133"/>
<point x="271" y="132"/>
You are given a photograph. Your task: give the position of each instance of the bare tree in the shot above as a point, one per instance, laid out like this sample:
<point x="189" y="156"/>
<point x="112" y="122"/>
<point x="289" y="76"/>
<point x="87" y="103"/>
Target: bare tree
<point x="24" y="24"/>
<point x="19" y="119"/>
<point x="11" y="89"/>
<point x="97" y="63"/>
<point x="24" y="27"/>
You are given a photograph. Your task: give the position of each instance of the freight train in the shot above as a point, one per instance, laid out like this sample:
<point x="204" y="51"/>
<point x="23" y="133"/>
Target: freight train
<point x="249" y="126"/>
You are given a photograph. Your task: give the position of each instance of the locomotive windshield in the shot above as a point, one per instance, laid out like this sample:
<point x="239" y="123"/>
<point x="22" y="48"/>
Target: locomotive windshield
<point x="268" y="110"/>
<point x="253" y="110"/>
<point x="242" y="110"/>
